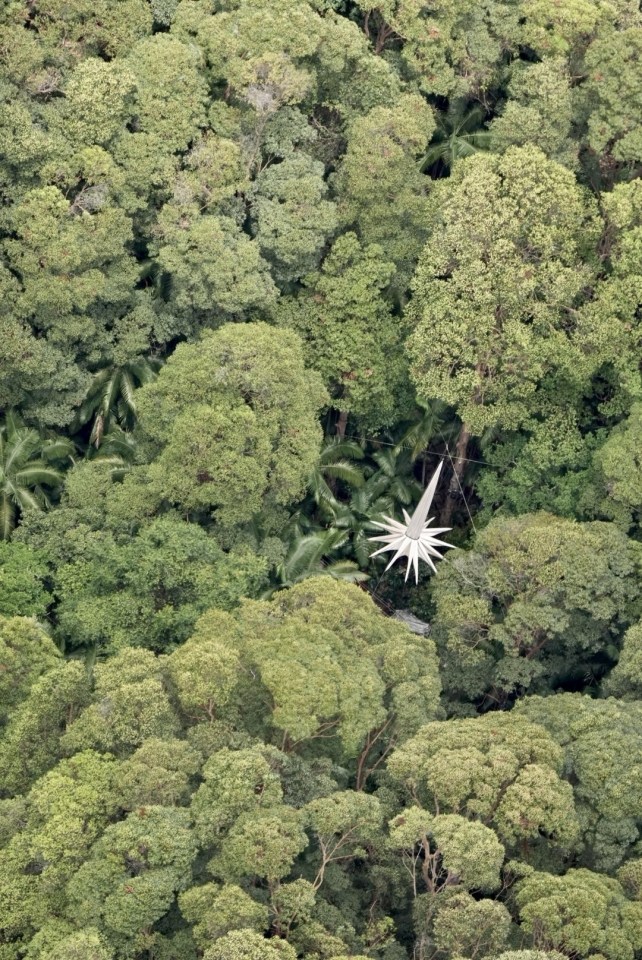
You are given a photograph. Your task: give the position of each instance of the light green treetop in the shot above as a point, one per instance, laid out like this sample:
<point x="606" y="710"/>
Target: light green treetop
<point x="625" y="679"/>
<point x="235" y="782"/>
<point x="536" y="599"/>
<point x="65" y="811"/>
<point x="509" y="254"/>
<point x="552" y="29"/>
<point x="212" y="267"/>
<point x="73" y="945"/>
<point x="160" y="772"/>
<point x="539" y="109"/>
<point x="261" y="844"/>
<point x="72" y="265"/>
<point x="216" y="910"/>
<point x="464" y="926"/>
<point x="603" y="756"/>
<point x="381" y="190"/>
<point x="581" y="912"/>
<point x="619" y="470"/>
<point x="148" y="589"/>
<point x="450" y="48"/>
<point x="133" y="873"/>
<point x="98" y="102"/>
<point x="130" y="705"/>
<point x="249" y="396"/>
<point x="171" y="91"/>
<point x="26" y="652"/>
<point x="336" y="667"/>
<point x="496" y="768"/>
<point x="453" y="851"/>
<point x="248" y="945"/>
<point x="350" y="333"/>
<point x="611" y="96"/>
<point x="31" y="741"/>
<point x="608" y="330"/>
<point x="292" y="217"/>
<point x="89" y="28"/>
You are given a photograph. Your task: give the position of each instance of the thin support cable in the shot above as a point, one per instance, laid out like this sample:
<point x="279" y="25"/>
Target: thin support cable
<point x="373" y="593"/>
<point x="461" y="489"/>
<point x="426" y="453"/>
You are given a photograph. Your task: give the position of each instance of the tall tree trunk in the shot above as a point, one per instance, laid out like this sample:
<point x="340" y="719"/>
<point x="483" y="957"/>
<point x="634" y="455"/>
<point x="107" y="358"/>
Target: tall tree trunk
<point x="342" y="423"/>
<point x="459" y="465"/>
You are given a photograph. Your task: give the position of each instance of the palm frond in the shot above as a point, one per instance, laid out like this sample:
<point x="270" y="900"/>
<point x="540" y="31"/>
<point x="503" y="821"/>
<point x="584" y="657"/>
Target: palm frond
<point x="480" y="139"/>
<point x="13" y="423"/>
<point x="118" y="465"/>
<point x="110" y="392"/>
<point x="338" y="447"/>
<point x="386" y="460"/>
<point x="458" y="135"/>
<point x="302" y="558"/>
<point x="435" y="152"/>
<point x="346" y="471"/>
<point x="320" y="490"/>
<point x="371" y="491"/>
<point x="343" y="517"/>
<point x="361" y="547"/>
<point x="432" y="421"/>
<point x="403" y="489"/>
<point x="28" y="500"/>
<point x="305" y="556"/>
<point x="20" y="447"/>
<point x="58" y="449"/>
<point x="145" y="370"/>
<point x="111" y="459"/>
<point x="100" y="378"/>
<point x="345" y="570"/>
<point x="463" y="119"/>
<point x="38" y="473"/>
<point x="86" y="411"/>
<point x="127" y="389"/>
<point x="116" y="443"/>
<point x="97" y="430"/>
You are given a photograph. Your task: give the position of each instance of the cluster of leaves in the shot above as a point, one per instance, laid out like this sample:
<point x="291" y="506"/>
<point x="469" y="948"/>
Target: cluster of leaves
<point x="262" y="266"/>
<point x="284" y="784"/>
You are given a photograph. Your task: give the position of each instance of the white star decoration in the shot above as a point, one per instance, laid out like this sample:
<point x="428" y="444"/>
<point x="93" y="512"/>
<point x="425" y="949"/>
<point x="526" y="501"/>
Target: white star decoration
<point x="415" y="538"/>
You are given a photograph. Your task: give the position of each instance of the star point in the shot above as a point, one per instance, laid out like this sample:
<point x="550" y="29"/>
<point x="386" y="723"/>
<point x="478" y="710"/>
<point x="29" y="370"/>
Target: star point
<point x="414" y="539"/>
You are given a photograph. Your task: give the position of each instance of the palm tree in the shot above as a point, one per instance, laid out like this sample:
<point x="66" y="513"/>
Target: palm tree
<point x="433" y="421"/>
<point x="110" y="396"/>
<point x="396" y="468"/>
<point x="387" y="486"/>
<point x="335" y="463"/>
<point x="430" y="420"/>
<point x="27" y="470"/>
<point x="309" y="553"/>
<point x="332" y="528"/>
<point x="459" y="134"/>
<point x="117" y="448"/>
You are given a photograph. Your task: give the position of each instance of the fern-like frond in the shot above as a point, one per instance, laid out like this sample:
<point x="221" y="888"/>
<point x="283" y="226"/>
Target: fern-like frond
<point x="127" y="389"/>
<point x="36" y="474"/>
<point x="20" y="447"/>
<point x="58" y="449"/>
<point x="28" y="499"/>
<point x="345" y="471"/>
<point x="345" y="570"/>
<point x="337" y="448"/>
<point x="302" y="558"/>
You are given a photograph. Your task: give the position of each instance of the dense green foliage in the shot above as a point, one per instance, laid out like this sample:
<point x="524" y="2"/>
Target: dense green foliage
<point x="263" y="264"/>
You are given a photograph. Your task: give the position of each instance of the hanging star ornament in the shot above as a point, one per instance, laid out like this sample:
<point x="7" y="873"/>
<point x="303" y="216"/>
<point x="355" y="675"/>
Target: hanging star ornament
<point x="415" y="538"/>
